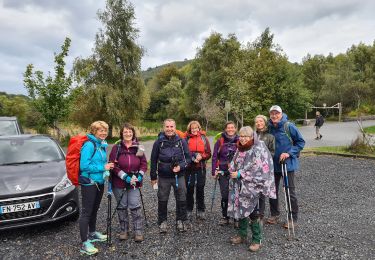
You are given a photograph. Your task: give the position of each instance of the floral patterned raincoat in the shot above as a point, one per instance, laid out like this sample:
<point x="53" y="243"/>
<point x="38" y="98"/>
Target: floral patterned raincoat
<point x="255" y="166"/>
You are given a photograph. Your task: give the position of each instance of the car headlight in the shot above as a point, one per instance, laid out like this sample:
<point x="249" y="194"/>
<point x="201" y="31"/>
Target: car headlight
<point x="63" y="184"/>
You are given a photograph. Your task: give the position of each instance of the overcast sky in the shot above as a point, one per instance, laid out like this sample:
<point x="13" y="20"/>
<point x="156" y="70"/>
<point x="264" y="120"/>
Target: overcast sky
<point x="31" y="31"/>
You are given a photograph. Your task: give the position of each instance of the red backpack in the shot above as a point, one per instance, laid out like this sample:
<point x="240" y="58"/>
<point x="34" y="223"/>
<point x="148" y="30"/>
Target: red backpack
<point x="73" y="157"/>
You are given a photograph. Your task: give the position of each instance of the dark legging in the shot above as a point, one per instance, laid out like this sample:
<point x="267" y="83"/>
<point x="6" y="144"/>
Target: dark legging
<point x="91" y="197"/>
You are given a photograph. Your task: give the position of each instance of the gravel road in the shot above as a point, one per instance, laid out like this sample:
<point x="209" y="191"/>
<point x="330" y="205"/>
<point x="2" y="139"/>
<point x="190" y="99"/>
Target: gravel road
<point x="337" y="221"/>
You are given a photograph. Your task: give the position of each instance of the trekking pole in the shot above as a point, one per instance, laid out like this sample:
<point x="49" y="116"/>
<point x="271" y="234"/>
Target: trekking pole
<point x="213" y="194"/>
<point x="289" y="201"/>
<point x="109" y="212"/>
<point x="143" y="205"/>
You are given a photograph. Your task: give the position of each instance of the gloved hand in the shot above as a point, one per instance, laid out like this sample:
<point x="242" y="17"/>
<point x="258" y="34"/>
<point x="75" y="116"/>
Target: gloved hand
<point x="140" y="178"/>
<point x="128" y="179"/>
<point x="133" y="180"/>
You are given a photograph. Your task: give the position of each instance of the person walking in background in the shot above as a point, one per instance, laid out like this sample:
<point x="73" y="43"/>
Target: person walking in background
<point x="224" y="150"/>
<point x="288" y="145"/>
<point x="251" y="172"/>
<point x="269" y="141"/>
<point x="93" y="165"/>
<point x="127" y="177"/>
<point x="319" y="121"/>
<point x="170" y="158"/>
<point x="200" y="152"/>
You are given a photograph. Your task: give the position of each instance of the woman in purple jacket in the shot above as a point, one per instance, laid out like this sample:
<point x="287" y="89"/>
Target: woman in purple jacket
<point x="127" y="175"/>
<point x="224" y="150"/>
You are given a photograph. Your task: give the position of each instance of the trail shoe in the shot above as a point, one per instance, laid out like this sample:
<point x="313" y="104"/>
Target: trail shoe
<point x="88" y="248"/>
<point x="285" y="225"/>
<point x="273" y="220"/>
<point x="201" y="215"/>
<point x="224" y="221"/>
<point x="124" y="235"/>
<point x="138" y="238"/>
<point x="181" y="226"/>
<point x="163" y="227"/>
<point x="254" y="247"/>
<point x="237" y="240"/>
<point x="97" y="237"/>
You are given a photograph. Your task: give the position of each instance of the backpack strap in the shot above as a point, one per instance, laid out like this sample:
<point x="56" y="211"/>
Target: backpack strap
<point x="287" y="131"/>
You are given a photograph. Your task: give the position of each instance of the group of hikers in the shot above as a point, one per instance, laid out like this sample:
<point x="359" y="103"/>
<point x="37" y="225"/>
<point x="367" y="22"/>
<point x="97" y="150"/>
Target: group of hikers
<point x="248" y="165"/>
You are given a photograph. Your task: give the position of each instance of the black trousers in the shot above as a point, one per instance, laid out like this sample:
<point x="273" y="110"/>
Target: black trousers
<point x="164" y="190"/>
<point x="91" y="198"/>
<point x="224" y="190"/>
<point x="274" y="203"/>
<point x="195" y="178"/>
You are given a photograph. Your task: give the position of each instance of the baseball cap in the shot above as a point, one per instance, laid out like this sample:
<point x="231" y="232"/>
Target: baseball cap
<point x="276" y="108"/>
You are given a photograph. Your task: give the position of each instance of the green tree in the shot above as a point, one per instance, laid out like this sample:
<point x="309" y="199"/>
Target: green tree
<point x="211" y="69"/>
<point x="263" y="76"/>
<point x="314" y="69"/>
<point x="50" y="95"/>
<point x="110" y="78"/>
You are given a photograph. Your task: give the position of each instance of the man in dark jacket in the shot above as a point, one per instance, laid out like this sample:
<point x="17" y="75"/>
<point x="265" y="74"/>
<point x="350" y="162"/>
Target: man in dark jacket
<point x="319" y="121"/>
<point x="170" y="157"/>
<point x="288" y="144"/>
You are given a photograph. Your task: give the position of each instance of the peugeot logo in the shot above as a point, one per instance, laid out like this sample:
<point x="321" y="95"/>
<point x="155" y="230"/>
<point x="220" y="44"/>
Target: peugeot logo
<point x="17" y="187"/>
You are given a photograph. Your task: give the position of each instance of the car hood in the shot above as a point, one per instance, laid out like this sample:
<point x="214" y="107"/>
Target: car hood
<point x="27" y="179"/>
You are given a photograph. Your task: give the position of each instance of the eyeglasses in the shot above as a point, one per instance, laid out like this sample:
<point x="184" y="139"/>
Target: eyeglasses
<point x="244" y="136"/>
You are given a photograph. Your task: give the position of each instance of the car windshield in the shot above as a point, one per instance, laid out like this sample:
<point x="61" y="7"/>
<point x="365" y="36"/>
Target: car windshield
<point x="8" y="127"/>
<point x="28" y="150"/>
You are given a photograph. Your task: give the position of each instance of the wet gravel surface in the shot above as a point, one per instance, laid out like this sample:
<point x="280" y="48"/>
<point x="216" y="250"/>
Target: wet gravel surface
<point x="337" y="221"/>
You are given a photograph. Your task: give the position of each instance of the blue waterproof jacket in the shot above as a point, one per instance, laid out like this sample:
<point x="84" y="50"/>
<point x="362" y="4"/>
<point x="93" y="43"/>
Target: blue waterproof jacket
<point x="284" y="145"/>
<point x="166" y="152"/>
<point x="92" y="160"/>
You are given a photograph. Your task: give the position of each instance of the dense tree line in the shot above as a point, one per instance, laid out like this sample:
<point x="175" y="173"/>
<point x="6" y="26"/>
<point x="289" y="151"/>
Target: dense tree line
<point x="108" y="85"/>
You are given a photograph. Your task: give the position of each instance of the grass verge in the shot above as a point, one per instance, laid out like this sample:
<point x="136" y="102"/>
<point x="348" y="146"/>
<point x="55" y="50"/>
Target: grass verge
<point x="337" y="150"/>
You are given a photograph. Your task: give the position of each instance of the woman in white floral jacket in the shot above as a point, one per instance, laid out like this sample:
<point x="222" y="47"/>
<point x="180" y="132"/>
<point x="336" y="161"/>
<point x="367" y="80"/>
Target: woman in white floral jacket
<point x="251" y="172"/>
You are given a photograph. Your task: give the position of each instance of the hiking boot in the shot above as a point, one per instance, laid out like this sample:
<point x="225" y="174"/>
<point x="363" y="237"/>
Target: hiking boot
<point x="237" y="240"/>
<point x="88" y="248"/>
<point x="273" y="220"/>
<point x="224" y="221"/>
<point x="254" y="247"/>
<point x="138" y="238"/>
<point x="285" y="225"/>
<point x="97" y="237"/>
<point x="201" y="215"/>
<point x="124" y="235"/>
<point x="181" y="226"/>
<point x="163" y="227"/>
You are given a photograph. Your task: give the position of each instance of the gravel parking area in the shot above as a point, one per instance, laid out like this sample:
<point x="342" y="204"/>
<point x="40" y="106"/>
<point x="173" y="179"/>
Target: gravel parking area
<point x="337" y="221"/>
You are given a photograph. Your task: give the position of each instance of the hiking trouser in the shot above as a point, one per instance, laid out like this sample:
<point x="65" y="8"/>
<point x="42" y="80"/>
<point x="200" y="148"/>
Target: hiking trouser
<point x="261" y="205"/>
<point x="317" y="131"/>
<point x="224" y="190"/>
<point x="91" y="197"/>
<point x="274" y="203"/>
<point x="129" y="199"/>
<point x="165" y="185"/>
<point x="197" y="177"/>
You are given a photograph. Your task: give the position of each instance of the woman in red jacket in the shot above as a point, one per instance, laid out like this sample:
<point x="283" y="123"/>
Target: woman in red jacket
<point x="200" y="152"/>
<point x="127" y="175"/>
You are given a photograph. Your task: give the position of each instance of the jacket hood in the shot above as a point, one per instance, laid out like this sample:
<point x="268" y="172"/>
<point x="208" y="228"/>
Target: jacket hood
<point x="284" y="118"/>
<point x="100" y="143"/>
<point x="162" y="136"/>
<point x="234" y="139"/>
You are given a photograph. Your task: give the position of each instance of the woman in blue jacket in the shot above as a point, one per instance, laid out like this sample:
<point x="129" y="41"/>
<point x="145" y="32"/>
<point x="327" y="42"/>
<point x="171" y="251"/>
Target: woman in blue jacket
<point x="93" y="169"/>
